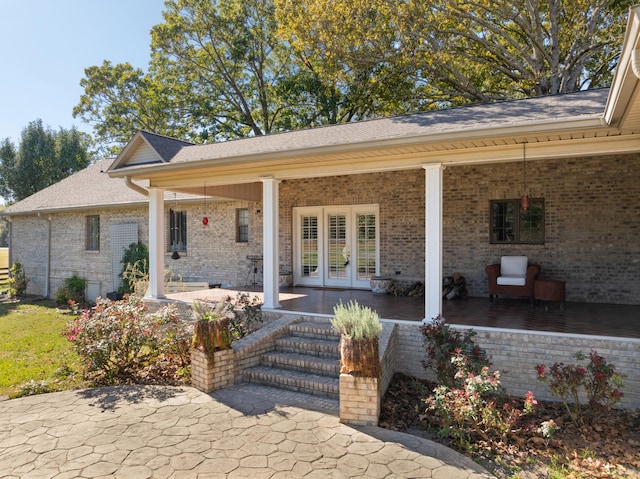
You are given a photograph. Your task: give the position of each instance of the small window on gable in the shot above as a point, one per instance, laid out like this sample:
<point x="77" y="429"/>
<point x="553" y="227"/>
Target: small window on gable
<point x="177" y="230"/>
<point x="509" y="224"/>
<point x="92" y="235"/>
<point x="242" y="222"/>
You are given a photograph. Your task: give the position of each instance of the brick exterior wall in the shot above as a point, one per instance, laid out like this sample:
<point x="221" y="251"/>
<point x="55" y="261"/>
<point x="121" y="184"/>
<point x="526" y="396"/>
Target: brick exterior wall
<point x="67" y="251"/>
<point x="592" y="224"/>
<point x="401" y="197"/>
<point x="591" y="228"/>
<point x="591" y="221"/>
<point x="212" y="256"/>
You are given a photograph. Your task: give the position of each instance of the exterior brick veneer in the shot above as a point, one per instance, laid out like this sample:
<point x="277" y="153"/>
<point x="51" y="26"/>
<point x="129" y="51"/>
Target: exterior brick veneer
<point x="210" y="374"/>
<point x="516" y="353"/>
<point x="359" y="400"/>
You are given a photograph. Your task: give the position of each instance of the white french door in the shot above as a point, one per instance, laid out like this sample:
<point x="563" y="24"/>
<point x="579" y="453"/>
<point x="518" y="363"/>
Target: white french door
<point x="336" y="246"/>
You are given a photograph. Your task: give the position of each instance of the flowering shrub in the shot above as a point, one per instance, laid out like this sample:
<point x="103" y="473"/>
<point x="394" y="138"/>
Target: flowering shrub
<point x="442" y="343"/>
<point x="118" y="340"/>
<point x="473" y="410"/>
<point x="598" y="381"/>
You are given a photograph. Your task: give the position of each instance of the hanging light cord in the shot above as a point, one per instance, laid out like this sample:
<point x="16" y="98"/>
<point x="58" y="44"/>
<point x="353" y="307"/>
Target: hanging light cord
<point x="524" y="169"/>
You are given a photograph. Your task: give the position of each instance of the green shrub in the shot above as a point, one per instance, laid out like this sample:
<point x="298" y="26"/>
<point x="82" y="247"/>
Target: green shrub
<point x="17" y="281"/>
<point x="135" y="267"/>
<point x="355" y="321"/>
<point x="72" y="290"/>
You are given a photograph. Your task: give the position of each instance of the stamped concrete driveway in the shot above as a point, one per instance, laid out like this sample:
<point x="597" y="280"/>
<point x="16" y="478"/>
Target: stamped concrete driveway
<point x="167" y="432"/>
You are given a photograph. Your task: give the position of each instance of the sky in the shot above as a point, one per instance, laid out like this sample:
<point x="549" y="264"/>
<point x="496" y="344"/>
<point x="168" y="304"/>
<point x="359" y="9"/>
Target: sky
<point x="45" y="45"/>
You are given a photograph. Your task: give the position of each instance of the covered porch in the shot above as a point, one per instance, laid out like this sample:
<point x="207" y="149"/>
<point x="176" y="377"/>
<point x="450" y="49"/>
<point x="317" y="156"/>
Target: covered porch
<point x="593" y="319"/>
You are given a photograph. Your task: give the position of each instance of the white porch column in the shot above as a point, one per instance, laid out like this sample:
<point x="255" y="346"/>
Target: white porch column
<point x="271" y="242"/>
<point x="156" y="243"/>
<point x="433" y="241"/>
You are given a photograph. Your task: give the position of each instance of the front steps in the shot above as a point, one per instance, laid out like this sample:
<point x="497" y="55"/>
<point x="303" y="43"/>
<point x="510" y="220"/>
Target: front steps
<point x="306" y="360"/>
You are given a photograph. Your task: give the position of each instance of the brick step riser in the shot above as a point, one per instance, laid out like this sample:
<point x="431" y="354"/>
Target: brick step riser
<point x="309" y="348"/>
<point x="308" y="364"/>
<point x="283" y="381"/>
<point x="314" y="333"/>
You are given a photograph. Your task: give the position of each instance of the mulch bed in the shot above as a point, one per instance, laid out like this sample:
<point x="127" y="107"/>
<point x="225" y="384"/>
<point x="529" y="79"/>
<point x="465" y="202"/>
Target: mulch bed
<point x="603" y="447"/>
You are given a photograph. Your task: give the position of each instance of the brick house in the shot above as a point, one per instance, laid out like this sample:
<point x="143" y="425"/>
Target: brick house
<point x="409" y="197"/>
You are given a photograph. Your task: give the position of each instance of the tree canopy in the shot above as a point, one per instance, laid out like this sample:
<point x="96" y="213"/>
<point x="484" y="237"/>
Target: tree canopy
<point x="223" y="69"/>
<point x="42" y="158"/>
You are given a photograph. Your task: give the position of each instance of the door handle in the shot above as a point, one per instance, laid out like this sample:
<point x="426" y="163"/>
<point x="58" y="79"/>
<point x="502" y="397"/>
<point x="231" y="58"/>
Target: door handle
<point x="346" y="254"/>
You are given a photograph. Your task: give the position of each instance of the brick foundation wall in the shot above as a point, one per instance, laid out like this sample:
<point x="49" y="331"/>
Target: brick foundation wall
<point x="387" y="345"/>
<point x="516" y="353"/>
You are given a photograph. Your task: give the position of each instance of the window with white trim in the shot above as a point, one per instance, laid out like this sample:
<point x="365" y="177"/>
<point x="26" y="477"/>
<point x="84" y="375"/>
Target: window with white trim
<point x="92" y="235"/>
<point x="242" y="228"/>
<point x="177" y="231"/>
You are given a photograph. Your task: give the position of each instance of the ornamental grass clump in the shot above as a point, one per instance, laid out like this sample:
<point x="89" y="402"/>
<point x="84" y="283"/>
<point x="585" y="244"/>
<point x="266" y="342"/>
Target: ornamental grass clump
<point x="359" y="328"/>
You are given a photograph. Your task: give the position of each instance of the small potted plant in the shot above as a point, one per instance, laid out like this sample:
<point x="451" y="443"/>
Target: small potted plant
<point x="359" y="328"/>
<point x="211" y="331"/>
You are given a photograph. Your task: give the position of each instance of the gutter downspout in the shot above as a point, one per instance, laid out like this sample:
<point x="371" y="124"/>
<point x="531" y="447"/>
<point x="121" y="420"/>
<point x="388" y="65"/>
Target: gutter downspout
<point x="47" y="268"/>
<point x="134" y="187"/>
<point x="48" y="273"/>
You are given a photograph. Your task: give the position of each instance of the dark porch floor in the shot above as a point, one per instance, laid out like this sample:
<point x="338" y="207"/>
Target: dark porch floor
<point x="577" y="318"/>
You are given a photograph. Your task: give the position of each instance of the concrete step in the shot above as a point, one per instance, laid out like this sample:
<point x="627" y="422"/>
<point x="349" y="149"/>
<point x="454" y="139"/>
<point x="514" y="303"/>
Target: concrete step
<point x="298" y="381"/>
<point x="324" y="366"/>
<point x="325" y="348"/>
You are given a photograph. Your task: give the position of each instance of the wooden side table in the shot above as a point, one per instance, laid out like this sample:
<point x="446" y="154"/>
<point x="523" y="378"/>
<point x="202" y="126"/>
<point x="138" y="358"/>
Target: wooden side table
<point x="549" y="290"/>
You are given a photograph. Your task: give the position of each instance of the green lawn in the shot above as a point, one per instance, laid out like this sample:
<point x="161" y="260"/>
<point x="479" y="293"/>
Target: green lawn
<point x="33" y="348"/>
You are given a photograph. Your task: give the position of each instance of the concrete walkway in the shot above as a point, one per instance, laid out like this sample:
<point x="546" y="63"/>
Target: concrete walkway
<point x="244" y="431"/>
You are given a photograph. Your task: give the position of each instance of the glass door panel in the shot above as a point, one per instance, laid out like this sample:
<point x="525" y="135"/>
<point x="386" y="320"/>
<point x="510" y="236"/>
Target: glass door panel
<point x="309" y="247"/>
<point x="336" y="245"/>
<point x="338" y="249"/>
<point x="366" y="250"/>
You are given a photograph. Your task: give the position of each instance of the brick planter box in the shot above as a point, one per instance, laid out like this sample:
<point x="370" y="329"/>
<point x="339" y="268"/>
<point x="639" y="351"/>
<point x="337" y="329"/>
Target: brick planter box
<point x="359" y="400"/>
<point x="210" y="374"/>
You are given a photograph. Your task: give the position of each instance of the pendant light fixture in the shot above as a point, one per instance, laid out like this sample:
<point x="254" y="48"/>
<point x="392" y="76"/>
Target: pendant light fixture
<point x="205" y="219"/>
<point x="175" y="254"/>
<point x="524" y="200"/>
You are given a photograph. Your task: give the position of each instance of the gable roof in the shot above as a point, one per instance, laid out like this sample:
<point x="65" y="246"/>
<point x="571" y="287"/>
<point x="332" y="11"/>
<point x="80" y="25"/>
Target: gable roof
<point x="146" y="147"/>
<point x="584" y="107"/>
<point x="86" y="189"/>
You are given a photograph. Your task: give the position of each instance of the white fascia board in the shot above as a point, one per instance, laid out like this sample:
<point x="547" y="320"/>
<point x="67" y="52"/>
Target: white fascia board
<point x="521" y="130"/>
<point x="557" y="149"/>
<point x="624" y="80"/>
